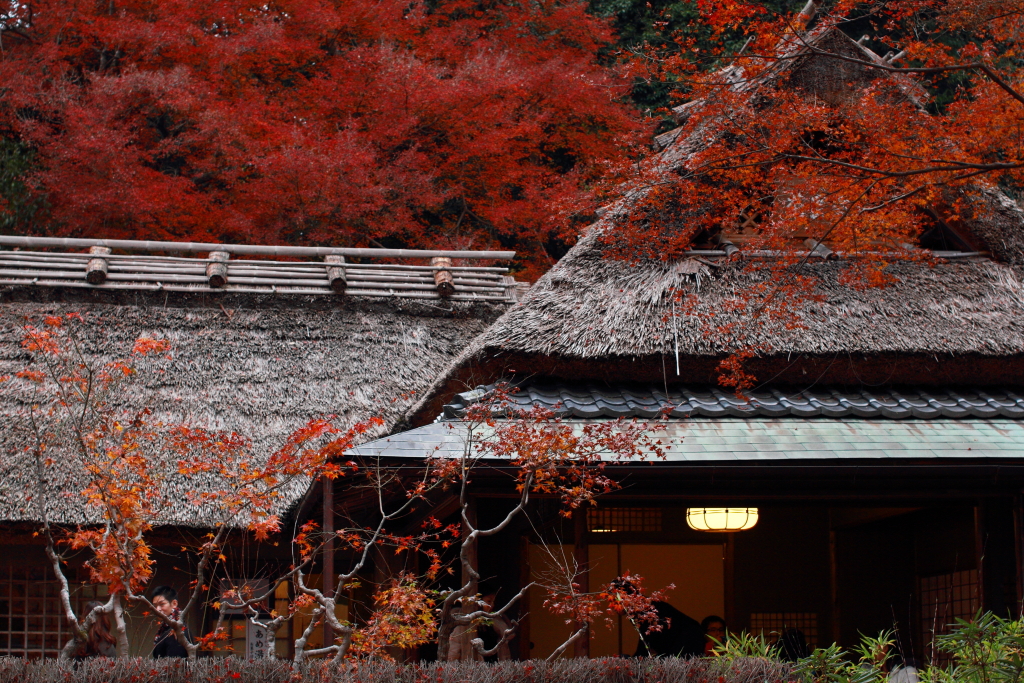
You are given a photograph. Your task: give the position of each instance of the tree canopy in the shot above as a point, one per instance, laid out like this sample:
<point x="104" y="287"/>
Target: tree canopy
<point x="452" y="124"/>
<point x="476" y="124"/>
<point x="869" y="131"/>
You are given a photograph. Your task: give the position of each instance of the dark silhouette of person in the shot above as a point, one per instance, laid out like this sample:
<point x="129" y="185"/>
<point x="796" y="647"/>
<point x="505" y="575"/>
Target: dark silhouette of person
<point x="792" y="645"/>
<point x="714" y="632"/>
<point x="680" y="635"/>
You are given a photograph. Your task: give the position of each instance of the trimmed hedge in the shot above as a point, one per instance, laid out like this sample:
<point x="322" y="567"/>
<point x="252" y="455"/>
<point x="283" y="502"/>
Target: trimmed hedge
<point x="610" y="670"/>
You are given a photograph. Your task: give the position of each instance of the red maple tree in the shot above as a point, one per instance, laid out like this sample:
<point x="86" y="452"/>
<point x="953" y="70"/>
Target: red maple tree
<point x="118" y="465"/>
<point x="848" y="129"/>
<point x="426" y="124"/>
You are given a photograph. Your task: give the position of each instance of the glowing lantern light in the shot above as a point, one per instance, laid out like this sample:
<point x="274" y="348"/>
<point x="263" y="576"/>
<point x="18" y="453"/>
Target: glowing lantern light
<point x="721" y="519"/>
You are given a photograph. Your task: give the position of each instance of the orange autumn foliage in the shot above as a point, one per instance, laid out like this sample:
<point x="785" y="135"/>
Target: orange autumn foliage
<point x="797" y="132"/>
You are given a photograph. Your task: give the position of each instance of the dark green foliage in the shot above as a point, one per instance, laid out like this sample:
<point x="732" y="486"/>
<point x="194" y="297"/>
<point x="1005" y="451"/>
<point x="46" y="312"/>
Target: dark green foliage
<point x="653" y="24"/>
<point x="18" y="207"/>
<point x="988" y="649"/>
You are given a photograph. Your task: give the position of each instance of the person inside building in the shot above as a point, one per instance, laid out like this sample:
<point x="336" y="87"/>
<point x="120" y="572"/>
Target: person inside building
<point x="99" y="641"/>
<point x="166" y="644"/>
<point x="792" y="645"/>
<point x="714" y="633"/>
<point x="679" y="635"/>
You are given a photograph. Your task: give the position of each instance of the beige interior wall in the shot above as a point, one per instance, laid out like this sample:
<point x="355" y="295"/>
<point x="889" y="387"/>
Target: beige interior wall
<point x="698" y="572"/>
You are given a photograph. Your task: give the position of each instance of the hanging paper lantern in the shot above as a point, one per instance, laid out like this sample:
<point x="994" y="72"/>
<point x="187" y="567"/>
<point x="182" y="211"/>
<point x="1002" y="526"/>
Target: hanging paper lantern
<point x="721" y="519"/>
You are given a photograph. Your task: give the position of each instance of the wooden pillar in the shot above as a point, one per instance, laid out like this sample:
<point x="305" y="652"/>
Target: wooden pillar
<point x="1018" y="547"/>
<point x="729" y="562"/>
<point x="833" y="570"/>
<point x="979" y="552"/>
<point x="327" y="575"/>
<point x="525" y="576"/>
<point x="581" y="556"/>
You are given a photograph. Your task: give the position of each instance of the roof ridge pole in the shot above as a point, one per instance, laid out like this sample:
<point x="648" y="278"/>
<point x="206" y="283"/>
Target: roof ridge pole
<point x="96" y="268"/>
<point x="217" y="270"/>
<point x="254" y="249"/>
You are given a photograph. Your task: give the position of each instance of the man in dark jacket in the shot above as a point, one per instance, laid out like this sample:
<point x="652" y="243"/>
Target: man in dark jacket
<point x="680" y="635"/>
<point x="166" y="644"/>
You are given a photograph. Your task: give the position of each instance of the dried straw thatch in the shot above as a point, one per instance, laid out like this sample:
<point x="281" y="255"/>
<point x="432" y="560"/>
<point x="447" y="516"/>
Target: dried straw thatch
<point x="594" y="307"/>
<point x="604" y="319"/>
<point x="259" y="365"/>
<point x="594" y="317"/>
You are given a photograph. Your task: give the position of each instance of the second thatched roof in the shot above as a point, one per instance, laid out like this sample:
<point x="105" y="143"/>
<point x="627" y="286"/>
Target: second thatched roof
<point x="258" y="365"/>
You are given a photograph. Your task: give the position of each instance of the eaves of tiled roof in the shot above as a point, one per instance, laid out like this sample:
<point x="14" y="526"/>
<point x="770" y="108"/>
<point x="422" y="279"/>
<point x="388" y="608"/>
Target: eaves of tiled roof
<point x="649" y="402"/>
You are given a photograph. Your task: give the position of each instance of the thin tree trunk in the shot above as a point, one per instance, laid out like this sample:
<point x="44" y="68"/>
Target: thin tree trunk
<point x="120" y="629"/>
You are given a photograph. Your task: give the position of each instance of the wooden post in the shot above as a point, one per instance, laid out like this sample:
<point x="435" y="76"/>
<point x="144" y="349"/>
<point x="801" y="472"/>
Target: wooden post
<point x="217" y="272"/>
<point x="443" y="278"/>
<point x="581" y="557"/>
<point x="336" y="273"/>
<point x="833" y="568"/>
<point x="327" y="577"/>
<point x="525" y="576"/>
<point x="1018" y="547"/>
<point x="96" y="269"/>
<point x="729" y="560"/>
<point x="979" y="553"/>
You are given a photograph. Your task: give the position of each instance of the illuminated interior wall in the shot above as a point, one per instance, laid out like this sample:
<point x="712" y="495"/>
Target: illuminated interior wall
<point x="697" y="571"/>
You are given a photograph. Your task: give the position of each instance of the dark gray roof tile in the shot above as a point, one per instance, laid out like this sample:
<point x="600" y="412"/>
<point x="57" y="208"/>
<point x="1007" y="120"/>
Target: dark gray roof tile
<point x="703" y="401"/>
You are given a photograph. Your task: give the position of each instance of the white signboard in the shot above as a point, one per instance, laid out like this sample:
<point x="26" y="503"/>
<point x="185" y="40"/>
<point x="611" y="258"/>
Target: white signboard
<point x="255" y="641"/>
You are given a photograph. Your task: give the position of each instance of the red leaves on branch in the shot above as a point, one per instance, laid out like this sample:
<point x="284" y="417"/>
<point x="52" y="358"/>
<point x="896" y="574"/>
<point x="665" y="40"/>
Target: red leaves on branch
<point x="403" y="617"/>
<point x="126" y="464"/>
<point x="807" y="135"/>
<point x="554" y="457"/>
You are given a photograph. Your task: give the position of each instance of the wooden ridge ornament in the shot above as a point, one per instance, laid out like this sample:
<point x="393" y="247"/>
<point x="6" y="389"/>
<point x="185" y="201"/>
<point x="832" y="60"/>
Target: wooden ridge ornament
<point x="96" y="269"/>
<point x="217" y="271"/>
<point x="336" y="272"/>
<point x="443" y="278"/>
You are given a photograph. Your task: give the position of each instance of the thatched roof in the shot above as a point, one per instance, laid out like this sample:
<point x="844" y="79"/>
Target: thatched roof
<point x="594" y="307"/>
<point x="260" y="365"/>
<point x="595" y="317"/>
<point x="602" y="319"/>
